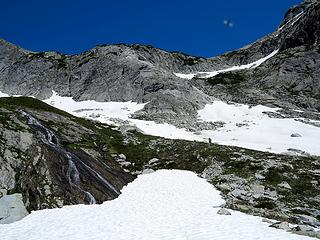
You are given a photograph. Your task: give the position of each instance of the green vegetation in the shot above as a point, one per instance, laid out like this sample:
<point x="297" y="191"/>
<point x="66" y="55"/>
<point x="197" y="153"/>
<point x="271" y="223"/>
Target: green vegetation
<point x="62" y="62"/>
<point x="8" y="123"/>
<point x="227" y="78"/>
<point x="15" y="103"/>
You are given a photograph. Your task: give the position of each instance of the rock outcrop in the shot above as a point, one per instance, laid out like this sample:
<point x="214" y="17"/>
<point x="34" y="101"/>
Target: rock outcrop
<point x="12" y="208"/>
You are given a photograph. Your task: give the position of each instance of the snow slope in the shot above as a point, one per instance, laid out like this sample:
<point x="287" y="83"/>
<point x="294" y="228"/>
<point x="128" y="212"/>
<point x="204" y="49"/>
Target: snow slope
<point x="251" y="128"/>
<point x="234" y="68"/>
<point x="166" y="204"/>
<point x="244" y="126"/>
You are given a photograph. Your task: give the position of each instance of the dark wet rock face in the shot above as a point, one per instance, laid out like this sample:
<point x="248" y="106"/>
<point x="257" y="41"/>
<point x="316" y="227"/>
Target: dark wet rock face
<point x="40" y="164"/>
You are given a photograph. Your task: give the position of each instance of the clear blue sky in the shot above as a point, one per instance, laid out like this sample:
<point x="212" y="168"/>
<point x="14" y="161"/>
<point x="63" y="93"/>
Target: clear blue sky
<point x="191" y="26"/>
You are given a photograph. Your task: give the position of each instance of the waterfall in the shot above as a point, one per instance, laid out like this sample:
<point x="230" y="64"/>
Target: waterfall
<point x="72" y="173"/>
<point x="90" y="199"/>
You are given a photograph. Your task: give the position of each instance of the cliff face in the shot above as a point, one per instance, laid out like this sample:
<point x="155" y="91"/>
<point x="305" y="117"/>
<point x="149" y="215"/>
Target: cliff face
<point x="146" y="74"/>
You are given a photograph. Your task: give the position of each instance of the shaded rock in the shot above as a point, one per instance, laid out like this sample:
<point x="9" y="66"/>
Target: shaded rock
<point x="303" y="228"/>
<point x="309" y="220"/>
<point x="295" y="135"/>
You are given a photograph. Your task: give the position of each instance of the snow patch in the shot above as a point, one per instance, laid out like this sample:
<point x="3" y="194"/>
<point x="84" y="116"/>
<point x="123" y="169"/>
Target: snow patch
<point x="251" y="128"/>
<point x="166" y="204"/>
<point x="234" y="68"/>
<point x="3" y="94"/>
<point x="100" y="111"/>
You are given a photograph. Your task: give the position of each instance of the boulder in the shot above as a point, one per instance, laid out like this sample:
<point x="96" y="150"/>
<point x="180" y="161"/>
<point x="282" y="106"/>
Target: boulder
<point x="223" y="211"/>
<point x="147" y="171"/>
<point x="284" y="185"/>
<point x="12" y="208"/>
<point x="295" y="135"/>
<point x="281" y="225"/>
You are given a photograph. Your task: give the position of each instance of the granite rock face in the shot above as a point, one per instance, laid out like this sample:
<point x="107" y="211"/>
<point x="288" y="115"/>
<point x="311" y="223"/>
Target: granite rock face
<point x="12" y="208"/>
<point x="146" y="74"/>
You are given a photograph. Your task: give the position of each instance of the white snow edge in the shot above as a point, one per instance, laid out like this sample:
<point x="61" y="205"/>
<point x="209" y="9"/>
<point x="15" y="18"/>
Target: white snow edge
<point x="234" y="68"/>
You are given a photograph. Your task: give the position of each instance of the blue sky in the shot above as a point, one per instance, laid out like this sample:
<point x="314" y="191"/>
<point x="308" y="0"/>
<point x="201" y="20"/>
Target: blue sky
<point x="191" y="26"/>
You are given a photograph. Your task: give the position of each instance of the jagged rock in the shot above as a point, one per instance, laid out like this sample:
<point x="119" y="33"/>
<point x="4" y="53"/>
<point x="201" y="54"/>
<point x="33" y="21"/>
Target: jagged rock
<point x="223" y="211"/>
<point x="281" y="225"/>
<point x="267" y="221"/>
<point x="285" y="185"/>
<point x="308" y="220"/>
<point x="259" y="176"/>
<point x="122" y="156"/>
<point x="12" y="208"/>
<point x="238" y="193"/>
<point x="223" y="187"/>
<point x="153" y="161"/>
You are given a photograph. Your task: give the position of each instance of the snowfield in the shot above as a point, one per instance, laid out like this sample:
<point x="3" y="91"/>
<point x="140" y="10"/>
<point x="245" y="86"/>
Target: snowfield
<point x="244" y="126"/>
<point x="233" y="68"/>
<point x="251" y="128"/>
<point x="3" y="94"/>
<point x="166" y="204"/>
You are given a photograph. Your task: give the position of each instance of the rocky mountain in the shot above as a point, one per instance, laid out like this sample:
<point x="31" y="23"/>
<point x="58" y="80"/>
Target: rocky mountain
<point x="146" y="74"/>
<point x="53" y="158"/>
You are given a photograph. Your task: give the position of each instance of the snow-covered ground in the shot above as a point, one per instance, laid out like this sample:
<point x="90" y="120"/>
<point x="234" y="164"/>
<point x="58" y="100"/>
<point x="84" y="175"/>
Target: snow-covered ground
<point x="166" y="204"/>
<point x="3" y="94"/>
<point x="251" y="128"/>
<point x="234" y="68"/>
<point x="243" y="126"/>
